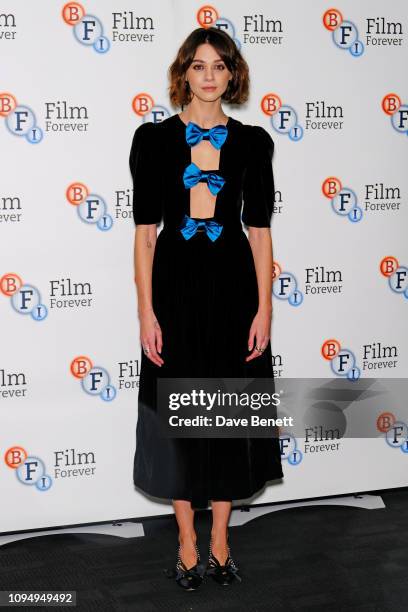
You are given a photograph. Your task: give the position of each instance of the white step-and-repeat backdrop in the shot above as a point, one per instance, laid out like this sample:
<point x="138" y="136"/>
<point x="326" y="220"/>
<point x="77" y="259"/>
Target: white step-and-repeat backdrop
<point x="76" y="79"/>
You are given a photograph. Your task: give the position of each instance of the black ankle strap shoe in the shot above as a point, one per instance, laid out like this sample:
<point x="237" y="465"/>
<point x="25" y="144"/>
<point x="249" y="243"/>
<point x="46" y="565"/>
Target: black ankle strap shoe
<point x="222" y="574"/>
<point x="188" y="579"/>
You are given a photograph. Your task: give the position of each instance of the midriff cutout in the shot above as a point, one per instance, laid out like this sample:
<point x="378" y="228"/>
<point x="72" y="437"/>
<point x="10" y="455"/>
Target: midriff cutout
<point x="202" y="201"/>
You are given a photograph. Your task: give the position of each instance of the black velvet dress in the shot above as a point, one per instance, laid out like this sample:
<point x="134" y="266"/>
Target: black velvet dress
<point x="205" y="296"/>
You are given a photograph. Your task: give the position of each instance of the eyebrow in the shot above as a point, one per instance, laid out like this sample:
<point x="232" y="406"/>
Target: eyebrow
<point x="204" y="62"/>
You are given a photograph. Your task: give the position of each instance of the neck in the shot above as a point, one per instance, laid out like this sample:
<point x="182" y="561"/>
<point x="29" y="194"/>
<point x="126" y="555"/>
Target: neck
<point x="204" y="120"/>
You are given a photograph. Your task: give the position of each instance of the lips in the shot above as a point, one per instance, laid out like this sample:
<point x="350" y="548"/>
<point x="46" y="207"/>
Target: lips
<point x="209" y="88"/>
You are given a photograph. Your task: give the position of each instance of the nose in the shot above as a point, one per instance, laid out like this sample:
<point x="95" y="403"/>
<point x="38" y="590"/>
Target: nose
<point x="209" y="74"/>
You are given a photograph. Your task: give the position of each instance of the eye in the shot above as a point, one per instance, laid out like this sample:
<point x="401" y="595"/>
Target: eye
<point x="221" y="66"/>
<point x="197" y="66"/>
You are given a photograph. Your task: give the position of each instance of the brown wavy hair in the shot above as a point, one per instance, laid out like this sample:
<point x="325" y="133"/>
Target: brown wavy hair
<point x="237" y="91"/>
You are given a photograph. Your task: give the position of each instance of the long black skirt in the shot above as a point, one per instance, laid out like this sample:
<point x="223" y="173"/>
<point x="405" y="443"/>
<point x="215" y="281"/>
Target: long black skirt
<point x="205" y="296"/>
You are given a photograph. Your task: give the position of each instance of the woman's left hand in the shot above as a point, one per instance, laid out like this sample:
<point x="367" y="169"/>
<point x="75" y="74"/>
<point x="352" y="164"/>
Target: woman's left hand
<point x="259" y="334"/>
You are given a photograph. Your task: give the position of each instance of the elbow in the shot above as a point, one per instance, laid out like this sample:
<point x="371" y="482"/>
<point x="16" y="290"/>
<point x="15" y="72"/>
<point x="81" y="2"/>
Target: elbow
<point x="257" y="234"/>
<point x="146" y="230"/>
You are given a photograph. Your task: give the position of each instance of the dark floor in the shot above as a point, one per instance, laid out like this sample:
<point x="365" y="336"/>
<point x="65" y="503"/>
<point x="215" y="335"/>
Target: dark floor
<point x="316" y="558"/>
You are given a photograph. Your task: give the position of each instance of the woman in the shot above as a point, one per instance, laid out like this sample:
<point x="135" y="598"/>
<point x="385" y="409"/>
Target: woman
<point x="204" y="290"/>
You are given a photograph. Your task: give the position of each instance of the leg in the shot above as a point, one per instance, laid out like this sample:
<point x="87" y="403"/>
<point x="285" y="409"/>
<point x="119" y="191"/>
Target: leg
<point x="221" y="512"/>
<point x="187" y="535"/>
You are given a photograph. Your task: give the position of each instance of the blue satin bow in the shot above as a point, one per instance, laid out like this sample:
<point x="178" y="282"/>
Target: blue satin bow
<point x="189" y="227"/>
<point x="193" y="175"/>
<point x="216" y="135"/>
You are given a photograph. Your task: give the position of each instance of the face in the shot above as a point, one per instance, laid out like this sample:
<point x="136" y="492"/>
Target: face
<point x="207" y="74"/>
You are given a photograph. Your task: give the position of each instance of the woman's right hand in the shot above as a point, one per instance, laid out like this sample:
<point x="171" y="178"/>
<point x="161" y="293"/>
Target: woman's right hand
<point x="151" y="336"/>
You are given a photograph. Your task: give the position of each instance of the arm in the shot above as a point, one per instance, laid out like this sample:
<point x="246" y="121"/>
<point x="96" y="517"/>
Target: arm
<point x="147" y="213"/>
<point x="261" y="245"/>
<point x="259" y="196"/>
<point x="150" y="332"/>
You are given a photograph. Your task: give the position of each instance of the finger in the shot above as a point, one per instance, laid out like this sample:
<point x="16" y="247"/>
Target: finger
<point x="145" y="347"/>
<point x="253" y="355"/>
<point x="251" y="339"/>
<point x="154" y="356"/>
<point x="159" y="340"/>
<point x="258" y="345"/>
<point x="158" y="334"/>
<point x="264" y="342"/>
<point x="159" y="346"/>
<point x="150" y="350"/>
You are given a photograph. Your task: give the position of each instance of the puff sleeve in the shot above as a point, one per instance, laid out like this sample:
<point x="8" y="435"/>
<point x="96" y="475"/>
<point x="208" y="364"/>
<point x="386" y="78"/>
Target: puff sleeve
<point x="258" y="183"/>
<point x="147" y="187"/>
